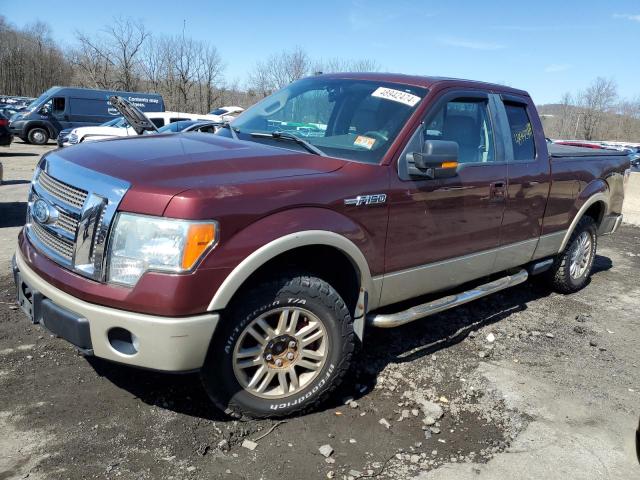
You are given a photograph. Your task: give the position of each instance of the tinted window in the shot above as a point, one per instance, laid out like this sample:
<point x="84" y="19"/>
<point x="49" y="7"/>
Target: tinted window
<point x="466" y="122"/>
<point x="521" y="132"/>
<point x="158" y="122"/>
<point x="89" y="106"/>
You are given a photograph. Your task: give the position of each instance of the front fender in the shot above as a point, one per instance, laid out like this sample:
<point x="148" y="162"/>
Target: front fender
<point x="278" y="233"/>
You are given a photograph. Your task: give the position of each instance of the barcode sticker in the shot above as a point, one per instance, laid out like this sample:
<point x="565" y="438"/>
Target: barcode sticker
<point x="396" y="96"/>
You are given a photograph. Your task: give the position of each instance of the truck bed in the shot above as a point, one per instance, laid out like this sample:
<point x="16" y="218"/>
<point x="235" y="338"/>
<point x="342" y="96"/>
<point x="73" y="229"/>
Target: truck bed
<point x="564" y="151"/>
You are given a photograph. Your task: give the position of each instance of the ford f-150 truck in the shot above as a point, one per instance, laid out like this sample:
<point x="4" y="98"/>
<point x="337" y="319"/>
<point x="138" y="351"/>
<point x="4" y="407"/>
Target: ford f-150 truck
<point x="258" y="256"/>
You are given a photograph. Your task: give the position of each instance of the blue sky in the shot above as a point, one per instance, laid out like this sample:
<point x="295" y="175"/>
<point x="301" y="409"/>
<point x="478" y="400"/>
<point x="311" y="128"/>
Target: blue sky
<point x="545" y="47"/>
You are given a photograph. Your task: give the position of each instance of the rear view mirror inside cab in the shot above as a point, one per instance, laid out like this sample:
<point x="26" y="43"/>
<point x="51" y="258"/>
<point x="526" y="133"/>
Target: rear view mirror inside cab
<point x="438" y="159"/>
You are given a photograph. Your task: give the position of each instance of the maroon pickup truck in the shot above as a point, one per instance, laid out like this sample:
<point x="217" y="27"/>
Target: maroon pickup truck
<point x="259" y="255"/>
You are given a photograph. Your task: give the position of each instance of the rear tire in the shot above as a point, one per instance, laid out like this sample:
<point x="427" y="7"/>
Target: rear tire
<point x="38" y="136"/>
<point x="281" y="350"/>
<point x="572" y="268"/>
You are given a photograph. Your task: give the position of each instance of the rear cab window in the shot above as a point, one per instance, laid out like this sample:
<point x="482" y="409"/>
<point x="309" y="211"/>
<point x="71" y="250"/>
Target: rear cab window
<point x="521" y="132"/>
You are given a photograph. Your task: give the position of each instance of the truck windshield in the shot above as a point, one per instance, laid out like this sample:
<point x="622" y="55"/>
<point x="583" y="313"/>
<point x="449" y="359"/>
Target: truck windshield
<point x="347" y="118"/>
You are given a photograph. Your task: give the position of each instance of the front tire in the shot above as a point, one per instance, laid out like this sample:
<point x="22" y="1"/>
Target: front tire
<point x="572" y="268"/>
<point x="38" y="136"/>
<point x="282" y="349"/>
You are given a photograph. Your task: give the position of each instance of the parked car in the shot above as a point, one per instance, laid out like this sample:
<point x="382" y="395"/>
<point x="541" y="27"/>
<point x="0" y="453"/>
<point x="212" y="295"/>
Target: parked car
<point x="6" y="137"/>
<point x="121" y="128"/>
<point x="190" y="126"/>
<point x="227" y="113"/>
<point x="579" y="144"/>
<point x="258" y="256"/>
<point x="68" y="107"/>
<point x="10" y="111"/>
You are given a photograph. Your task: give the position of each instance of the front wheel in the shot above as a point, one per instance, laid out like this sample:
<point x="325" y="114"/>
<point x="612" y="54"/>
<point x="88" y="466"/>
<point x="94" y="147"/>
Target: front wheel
<point x="38" y="136"/>
<point x="572" y="268"/>
<point x="281" y="350"/>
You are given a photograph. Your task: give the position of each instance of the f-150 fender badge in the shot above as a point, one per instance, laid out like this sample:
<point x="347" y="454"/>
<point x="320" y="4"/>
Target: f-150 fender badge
<point x="375" y="199"/>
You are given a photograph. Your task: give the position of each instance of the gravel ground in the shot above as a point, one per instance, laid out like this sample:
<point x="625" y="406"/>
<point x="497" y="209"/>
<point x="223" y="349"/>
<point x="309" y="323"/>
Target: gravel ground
<point x="523" y="384"/>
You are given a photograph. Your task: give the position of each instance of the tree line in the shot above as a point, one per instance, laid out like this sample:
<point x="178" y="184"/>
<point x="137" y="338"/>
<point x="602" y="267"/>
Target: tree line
<point x="125" y="56"/>
<point x="595" y="113"/>
<point x="189" y="74"/>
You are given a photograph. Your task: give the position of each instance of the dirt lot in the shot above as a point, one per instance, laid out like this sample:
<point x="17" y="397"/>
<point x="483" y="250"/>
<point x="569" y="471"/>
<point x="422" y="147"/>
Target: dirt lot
<point x="524" y="384"/>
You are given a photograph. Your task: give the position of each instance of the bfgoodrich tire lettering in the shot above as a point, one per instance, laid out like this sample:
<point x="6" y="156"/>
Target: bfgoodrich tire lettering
<point x="330" y="344"/>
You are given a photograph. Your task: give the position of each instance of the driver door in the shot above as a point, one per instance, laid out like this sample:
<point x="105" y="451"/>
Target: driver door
<point x="444" y="232"/>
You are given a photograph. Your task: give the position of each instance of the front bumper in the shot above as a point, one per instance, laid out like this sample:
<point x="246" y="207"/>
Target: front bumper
<point x="163" y="343"/>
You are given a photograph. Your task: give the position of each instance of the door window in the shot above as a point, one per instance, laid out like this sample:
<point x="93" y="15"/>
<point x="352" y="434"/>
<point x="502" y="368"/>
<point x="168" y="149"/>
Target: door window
<point x="58" y="105"/>
<point x="466" y="122"/>
<point x="524" y="147"/>
<point x="158" y="122"/>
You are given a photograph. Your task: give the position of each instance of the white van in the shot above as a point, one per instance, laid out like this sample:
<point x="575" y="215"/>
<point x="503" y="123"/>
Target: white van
<point x="120" y="128"/>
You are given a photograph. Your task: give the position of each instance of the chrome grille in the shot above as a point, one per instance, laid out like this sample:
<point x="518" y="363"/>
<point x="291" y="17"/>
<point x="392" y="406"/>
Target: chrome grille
<point x="67" y="222"/>
<point x="63" y="192"/>
<point x="75" y="233"/>
<point x="59" y="246"/>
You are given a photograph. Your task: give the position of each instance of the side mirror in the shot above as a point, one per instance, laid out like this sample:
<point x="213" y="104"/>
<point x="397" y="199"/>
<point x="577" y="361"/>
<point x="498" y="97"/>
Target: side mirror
<point x="438" y="159"/>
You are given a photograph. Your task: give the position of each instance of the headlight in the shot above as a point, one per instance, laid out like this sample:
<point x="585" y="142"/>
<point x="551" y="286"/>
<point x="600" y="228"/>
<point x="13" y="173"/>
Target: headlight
<point x="140" y="243"/>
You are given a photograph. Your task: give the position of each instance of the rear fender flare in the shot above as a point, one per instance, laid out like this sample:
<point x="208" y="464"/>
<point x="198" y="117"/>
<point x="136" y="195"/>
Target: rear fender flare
<point x="596" y="191"/>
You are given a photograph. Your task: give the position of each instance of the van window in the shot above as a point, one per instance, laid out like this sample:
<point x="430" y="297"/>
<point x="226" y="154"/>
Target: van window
<point x="58" y="104"/>
<point x="158" y="122"/>
<point x="524" y="147"/>
<point x="171" y="120"/>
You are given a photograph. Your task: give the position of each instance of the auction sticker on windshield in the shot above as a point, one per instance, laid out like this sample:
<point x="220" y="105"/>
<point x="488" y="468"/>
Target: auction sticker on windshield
<point x="396" y="96"/>
<point x="365" y="142"/>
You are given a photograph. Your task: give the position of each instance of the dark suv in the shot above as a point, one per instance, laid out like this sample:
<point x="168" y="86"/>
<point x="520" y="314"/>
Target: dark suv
<point x="6" y="137"/>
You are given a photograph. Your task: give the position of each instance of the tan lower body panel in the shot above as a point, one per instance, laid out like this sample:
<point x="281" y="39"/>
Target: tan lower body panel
<point x="165" y="343"/>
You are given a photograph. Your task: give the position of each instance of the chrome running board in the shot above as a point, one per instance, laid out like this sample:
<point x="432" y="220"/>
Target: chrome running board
<point x="420" y="311"/>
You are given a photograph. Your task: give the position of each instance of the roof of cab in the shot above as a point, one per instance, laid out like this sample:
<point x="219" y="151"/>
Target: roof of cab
<point x="425" y="81"/>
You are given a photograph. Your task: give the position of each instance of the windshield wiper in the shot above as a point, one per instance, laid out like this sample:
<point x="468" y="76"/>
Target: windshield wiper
<point x="291" y="137"/>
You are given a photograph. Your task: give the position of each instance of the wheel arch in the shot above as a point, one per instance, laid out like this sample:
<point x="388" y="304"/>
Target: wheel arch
<point x="594" y="203"/>
<point x="295" y="244"/>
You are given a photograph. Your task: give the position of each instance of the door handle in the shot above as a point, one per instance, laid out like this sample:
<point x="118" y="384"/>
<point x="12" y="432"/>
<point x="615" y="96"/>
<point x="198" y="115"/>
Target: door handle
<point x="498" y="191"/>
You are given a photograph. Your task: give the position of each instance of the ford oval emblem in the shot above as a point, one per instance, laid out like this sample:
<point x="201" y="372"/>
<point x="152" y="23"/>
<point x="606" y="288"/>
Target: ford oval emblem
<point x="43" y="212"/>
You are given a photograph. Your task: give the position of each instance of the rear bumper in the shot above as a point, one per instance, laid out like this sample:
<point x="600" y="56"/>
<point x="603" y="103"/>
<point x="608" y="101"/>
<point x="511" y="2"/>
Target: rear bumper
<point x="162" y="343"/>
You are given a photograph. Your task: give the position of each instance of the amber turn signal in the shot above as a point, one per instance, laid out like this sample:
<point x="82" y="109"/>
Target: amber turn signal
<point x="449" y="164"/>
<point x="199" y="238"/>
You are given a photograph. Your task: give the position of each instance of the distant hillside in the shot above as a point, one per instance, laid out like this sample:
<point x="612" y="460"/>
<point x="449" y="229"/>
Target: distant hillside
<point x="565" y="121"/>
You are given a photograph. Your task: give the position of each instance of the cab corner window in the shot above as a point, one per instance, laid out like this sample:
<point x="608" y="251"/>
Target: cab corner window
<point x="466" y="122"/>
<point x="521" y="130"/>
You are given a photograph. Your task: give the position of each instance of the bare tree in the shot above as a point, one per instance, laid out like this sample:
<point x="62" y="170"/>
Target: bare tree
<point x="596" y="101"/>
<point x="279" y="70"/>
<point x="345" y="65"/>
<point x="565" y="115"/>
<point x="30" y="61"/>
<point x="112" y="60"/>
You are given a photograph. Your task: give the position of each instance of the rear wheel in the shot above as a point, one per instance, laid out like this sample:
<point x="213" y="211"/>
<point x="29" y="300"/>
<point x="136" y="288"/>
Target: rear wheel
<point x="282" y="351"/>
<point x="572" y="268"/>
<point x="38" y="136"/>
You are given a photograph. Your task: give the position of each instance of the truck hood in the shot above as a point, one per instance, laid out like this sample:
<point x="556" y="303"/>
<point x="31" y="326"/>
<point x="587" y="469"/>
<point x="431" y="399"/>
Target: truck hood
<point x="164" y="165"/>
